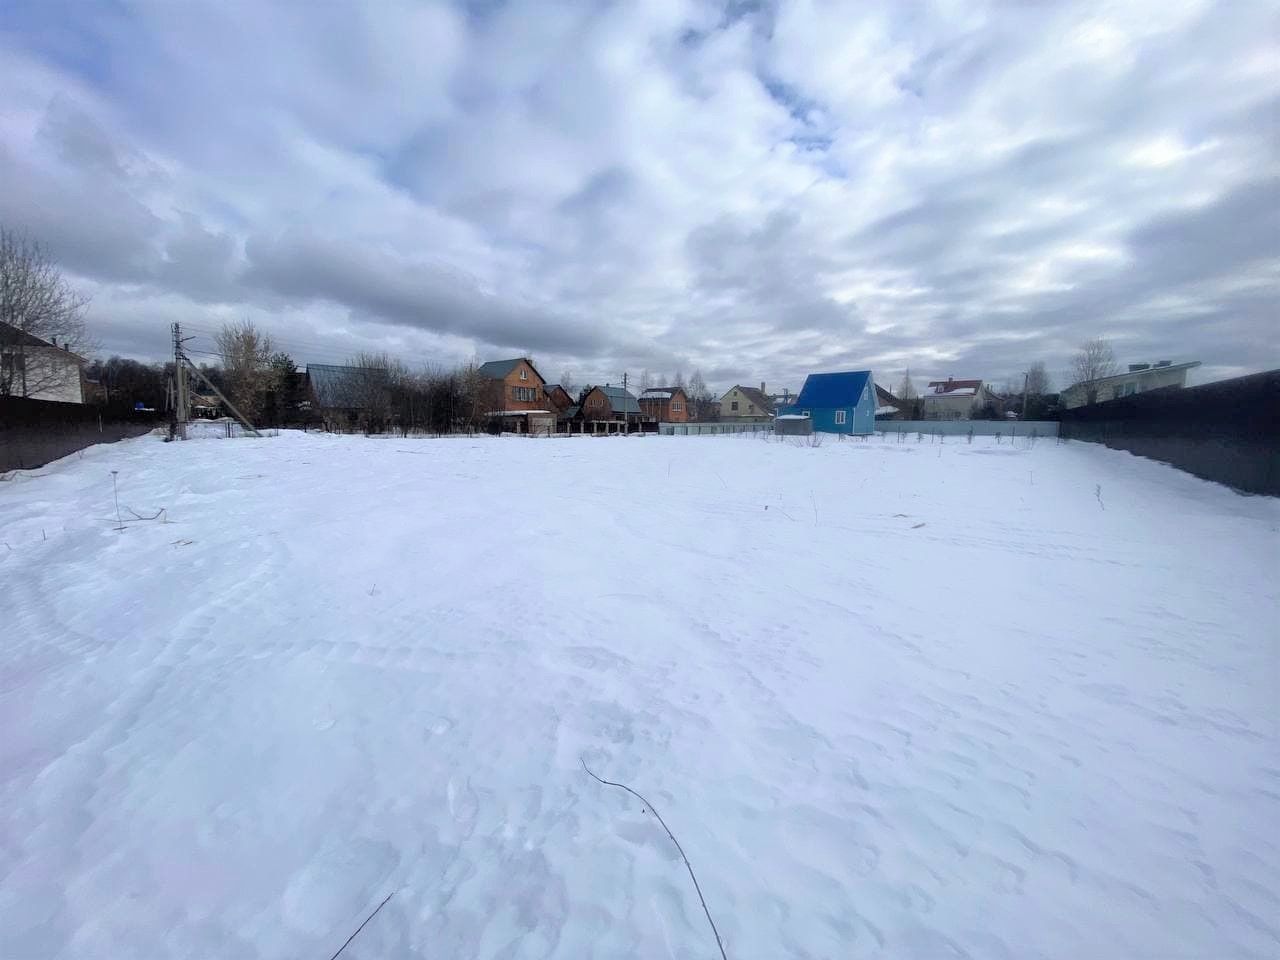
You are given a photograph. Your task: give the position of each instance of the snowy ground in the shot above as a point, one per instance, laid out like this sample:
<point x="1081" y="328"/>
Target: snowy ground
<point x="899" y="700"/>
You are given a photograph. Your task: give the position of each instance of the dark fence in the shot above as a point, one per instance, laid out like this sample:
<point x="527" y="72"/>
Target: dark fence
<point x="1227" y="431"/>
<point x="34" y="432"/>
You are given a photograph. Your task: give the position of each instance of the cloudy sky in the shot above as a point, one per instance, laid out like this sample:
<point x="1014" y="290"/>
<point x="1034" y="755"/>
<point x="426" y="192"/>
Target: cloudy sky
<point x="755" y="189"/>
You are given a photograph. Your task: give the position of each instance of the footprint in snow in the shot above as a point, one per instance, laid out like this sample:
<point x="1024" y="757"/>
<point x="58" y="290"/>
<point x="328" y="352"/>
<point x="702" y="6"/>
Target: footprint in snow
<point x="439" y="727"/>
<point x="463" y="802"/>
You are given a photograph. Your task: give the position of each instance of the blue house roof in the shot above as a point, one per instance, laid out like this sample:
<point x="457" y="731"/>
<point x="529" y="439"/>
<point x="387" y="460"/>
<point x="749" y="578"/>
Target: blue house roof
<point x="832" y="389"/>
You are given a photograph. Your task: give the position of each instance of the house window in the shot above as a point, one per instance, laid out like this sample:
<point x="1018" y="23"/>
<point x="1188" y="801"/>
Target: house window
<point x="524" y="394"/>
<point x="677" y="406"/>
<point x="840" y="416"/>
<point x="524" y="374"/>
<point x="751" y="408"/>
<point x="733" y="405"/>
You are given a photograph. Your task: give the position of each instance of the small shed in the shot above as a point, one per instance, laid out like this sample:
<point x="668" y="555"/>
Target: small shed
<point x="793" y="425"/>
<point x="839" y="402"/>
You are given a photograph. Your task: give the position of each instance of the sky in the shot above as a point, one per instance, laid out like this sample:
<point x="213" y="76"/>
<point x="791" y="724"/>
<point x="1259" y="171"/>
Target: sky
<point x="757" y="190"/>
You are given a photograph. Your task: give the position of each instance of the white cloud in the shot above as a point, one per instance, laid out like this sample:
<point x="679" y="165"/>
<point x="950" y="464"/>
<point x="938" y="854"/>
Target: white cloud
<point x="966" y="188"/>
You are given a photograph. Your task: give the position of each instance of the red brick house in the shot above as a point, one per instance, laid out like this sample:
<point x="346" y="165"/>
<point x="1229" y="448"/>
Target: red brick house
<point x="611" y="403"/>
<point x="558" y="397"/>
<point x="666" y="404"/>
<point x="513" y="386"/>
<point x="514" y="394"/>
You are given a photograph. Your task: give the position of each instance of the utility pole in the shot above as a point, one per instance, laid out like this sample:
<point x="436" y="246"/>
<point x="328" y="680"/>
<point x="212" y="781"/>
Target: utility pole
<point x="181" y="413"/>
<point x="1024" y="393"/>
<point x="244" y="421"/>
<point x="624" y="403"/>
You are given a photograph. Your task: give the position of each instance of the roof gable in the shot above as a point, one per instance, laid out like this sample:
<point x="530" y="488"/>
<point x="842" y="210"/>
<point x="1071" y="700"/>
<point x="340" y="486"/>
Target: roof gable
<point x="13" y="336"/>
<point x="498" y="369"/>
<point x="953" y="388"/>
<point x="762" y="402"/>
<point x="833" y="389"/>
<point x="620" y="400"/>
<point x="884" y="397"/>
<point x="662" y="393"/>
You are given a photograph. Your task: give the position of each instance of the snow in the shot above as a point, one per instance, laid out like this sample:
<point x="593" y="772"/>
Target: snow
<point x="793" y="416"/>
<point x="993" y="701"/>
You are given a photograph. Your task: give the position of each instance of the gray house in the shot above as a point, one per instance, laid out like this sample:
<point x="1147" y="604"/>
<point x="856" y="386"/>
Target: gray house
<point x="1139" y="378"/>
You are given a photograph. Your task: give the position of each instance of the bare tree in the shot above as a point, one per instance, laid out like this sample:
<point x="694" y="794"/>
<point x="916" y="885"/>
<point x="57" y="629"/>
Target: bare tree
<point x="1038" y="381"/>
<point x="697" y="389"/>
<point x="569" y="381"/>
<point x="906" y="389"/>
<point x="1095" y="360"/>
<point x="646" y="379"/>
<point x="37" y="304"/>
<point x="245" y="352"/>
<point x="475" y="396"/>
<point x="678" y="380"/>
<point x="368" y="388"/>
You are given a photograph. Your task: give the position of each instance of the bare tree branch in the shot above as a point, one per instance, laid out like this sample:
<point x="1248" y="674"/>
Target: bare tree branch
<point x="1038" y="382"/>
<point x="1095" y="360"/>
<point x="37" y="304"/>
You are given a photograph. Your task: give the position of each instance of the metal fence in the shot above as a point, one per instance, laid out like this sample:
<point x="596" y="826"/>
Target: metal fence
<point x="979" y="428"/>
<point x="35" y="432"/>
<point x="1227" y="431"/>
<point x="701" y="429"/>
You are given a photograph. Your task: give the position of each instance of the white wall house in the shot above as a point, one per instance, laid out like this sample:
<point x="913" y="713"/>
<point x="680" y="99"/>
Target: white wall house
<point x="37" y="369"/>
<point x="956" y="399"/>
<point x="1139" y="378"/>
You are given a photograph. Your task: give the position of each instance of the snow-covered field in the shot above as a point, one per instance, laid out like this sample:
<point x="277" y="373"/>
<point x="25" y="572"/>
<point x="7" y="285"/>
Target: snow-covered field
<point x="899" y="700"/>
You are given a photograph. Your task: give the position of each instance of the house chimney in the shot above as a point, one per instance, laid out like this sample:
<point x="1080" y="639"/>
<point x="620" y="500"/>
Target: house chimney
<point x="762" y="386"/>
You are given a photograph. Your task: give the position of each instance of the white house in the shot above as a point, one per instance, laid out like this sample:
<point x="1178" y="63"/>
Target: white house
<point x="956" y="399"/>
<point x="37" y="369"/>
<point x="1139" y="378"/>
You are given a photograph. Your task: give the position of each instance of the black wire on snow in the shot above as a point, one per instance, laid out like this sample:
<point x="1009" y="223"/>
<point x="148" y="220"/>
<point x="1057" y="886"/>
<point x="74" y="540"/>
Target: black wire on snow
<point x="362" y="926"/>
<point x="688" y="865"/>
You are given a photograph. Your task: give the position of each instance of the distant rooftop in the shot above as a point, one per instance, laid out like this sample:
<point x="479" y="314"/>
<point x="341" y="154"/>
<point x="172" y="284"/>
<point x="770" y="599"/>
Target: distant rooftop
<point x="621" y="400"/>
<point x="1139" y="369"/>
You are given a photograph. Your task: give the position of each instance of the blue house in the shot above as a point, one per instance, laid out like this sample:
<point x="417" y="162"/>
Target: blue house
<point x="839" y="402"/>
